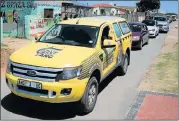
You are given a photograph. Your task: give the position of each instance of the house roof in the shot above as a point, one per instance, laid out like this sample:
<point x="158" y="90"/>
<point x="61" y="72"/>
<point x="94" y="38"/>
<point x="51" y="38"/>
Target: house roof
<point x="102" y="5"/>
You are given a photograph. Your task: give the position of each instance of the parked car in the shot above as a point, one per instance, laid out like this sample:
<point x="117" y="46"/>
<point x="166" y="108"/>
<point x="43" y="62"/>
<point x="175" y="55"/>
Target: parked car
<point x="174" y="17"/>
<point x="162" y="23"/>
<point x="140" y="34"/>
<point x="152" y="27"/>
<point x="69" y="61"/>
<point x="169" y="18"/>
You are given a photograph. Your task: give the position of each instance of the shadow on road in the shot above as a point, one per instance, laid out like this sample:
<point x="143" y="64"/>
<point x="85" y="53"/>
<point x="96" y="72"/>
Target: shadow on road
<point x="46" y="111"/>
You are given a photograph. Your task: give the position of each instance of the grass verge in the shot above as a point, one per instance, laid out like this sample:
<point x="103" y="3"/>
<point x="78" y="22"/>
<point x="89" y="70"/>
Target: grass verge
<point x="163" y="74"/>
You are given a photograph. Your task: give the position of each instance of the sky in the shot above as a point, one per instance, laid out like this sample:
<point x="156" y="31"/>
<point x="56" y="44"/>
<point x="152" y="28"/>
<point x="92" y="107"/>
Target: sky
<point x="166" y="6"/>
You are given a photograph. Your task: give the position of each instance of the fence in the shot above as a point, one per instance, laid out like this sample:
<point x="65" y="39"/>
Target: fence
<point x="34" y="25"/>
<point x="133" y="17"/>
<point x="14" y="30"/>
<point x="130" y="17"/>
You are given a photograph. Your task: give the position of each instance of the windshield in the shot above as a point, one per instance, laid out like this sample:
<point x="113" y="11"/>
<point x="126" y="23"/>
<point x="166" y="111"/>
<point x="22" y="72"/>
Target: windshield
<point x="135" y="27"/>
<point x="75" y="35"/>
<point x="149" y="22"/>
<point x="160" y="18"/>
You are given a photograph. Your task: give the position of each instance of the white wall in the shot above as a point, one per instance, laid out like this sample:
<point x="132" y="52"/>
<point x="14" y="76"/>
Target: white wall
<point x="94" y="10"/>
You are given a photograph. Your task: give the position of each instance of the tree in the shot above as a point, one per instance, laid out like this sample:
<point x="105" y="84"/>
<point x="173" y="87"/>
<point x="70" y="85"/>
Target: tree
<point x="145" y="5"/>
<point x="171" y="14"/>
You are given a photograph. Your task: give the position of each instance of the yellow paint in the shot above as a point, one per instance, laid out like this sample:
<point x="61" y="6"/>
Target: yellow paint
<point x="10" y="16"/>
<point x="70" y="56"/>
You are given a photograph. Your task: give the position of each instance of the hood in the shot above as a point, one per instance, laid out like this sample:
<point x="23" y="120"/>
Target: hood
<point x="162" y="22"/>
<point x="59" y="55"/>
<point x="151" y="27"/>
<point x="136" y="33"/>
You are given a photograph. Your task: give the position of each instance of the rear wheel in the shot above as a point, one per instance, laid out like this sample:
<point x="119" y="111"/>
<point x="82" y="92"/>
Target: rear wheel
<point x="123" y="68"/>
<point x="88" y="101"/>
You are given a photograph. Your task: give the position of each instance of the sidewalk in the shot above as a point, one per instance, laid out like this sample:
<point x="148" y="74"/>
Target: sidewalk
<point x="154" y="106"/>
<point x="158" y="96"/>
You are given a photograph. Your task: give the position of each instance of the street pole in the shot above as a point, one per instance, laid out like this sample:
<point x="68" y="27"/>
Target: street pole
<point x="1" y="30"/>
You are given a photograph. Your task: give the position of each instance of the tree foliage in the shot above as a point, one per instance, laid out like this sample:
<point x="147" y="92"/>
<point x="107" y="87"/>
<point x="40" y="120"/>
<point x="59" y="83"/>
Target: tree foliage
<point x="145" y="5"/>
<point x="171" y="14"/>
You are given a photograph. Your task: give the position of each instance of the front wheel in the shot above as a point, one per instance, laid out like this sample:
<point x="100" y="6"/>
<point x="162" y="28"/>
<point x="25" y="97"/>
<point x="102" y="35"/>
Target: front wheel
<point x="140" y="45"/>
<point x="88" y="101"/>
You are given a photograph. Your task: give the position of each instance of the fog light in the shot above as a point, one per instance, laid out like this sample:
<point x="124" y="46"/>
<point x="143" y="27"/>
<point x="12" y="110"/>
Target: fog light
<point x="52" y="94"/>
<point x="66" y="91"/>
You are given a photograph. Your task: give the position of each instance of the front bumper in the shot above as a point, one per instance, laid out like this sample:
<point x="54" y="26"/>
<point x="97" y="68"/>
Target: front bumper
<point x="135" y="43"/>
<point x="48" y="89"/>
<point x="152" y="33"/>
<point x="165" y="29"/>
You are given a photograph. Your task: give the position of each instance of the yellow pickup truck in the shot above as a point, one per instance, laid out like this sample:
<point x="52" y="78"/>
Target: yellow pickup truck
<point x="68" y="62"/>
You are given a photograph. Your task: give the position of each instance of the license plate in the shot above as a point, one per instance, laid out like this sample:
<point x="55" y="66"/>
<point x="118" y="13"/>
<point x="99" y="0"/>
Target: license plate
<point x="26" y="83"/>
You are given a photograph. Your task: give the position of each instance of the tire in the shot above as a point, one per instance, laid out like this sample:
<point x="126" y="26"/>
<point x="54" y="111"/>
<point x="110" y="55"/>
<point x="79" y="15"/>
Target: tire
<point x="141" y="44"/>
<point x="155" y="35"/>
<point x="123" y="68"/>
<point x="83" y="105"/>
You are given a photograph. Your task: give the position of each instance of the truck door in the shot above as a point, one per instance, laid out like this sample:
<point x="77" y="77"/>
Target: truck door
<point x="109" y="54"/>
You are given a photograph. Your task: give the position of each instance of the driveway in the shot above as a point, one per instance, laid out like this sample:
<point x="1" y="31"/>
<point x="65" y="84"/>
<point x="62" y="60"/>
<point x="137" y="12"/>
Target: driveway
<point x="116" y="93"/>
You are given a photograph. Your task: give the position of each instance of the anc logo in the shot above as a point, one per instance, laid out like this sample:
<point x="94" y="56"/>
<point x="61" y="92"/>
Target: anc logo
<point x="47" y="52"/>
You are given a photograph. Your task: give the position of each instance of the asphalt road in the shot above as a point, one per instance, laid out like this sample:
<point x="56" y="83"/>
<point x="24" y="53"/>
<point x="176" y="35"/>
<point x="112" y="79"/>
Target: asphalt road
<point x="117" y="93"/>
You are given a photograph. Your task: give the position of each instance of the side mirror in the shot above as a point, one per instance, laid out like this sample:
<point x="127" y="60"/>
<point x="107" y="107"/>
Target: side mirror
<point x="107" y="43"/>
<point x="37" y="37"/>
<point x="144" y="30"/>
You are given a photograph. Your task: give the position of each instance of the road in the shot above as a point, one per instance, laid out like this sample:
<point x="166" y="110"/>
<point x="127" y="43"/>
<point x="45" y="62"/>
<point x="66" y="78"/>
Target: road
<point x="117" y="93"/>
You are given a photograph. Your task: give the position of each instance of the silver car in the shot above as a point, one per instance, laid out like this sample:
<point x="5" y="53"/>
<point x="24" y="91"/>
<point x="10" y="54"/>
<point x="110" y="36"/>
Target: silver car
<point x="162" y="23"/>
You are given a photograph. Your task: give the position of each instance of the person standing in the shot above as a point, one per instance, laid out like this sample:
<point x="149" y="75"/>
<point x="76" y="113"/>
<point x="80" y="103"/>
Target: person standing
<point x="57" y="18"/>
<point x="66" y="17"/>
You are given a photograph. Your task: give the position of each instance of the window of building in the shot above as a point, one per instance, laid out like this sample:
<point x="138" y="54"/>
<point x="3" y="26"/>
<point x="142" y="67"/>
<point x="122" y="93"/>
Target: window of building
<point x="48" y="13"/>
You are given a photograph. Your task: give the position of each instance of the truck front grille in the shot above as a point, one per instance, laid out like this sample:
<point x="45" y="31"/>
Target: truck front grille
<point x="42" y="73"/>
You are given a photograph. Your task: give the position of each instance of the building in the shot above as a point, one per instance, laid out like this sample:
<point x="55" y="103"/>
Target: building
<point x="107" y="9"/>
<point x="26" y="18"/>
<point x="31" y="17"/>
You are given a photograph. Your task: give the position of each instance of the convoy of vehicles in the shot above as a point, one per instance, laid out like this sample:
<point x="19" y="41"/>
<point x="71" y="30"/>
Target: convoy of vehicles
<point x="152" y="26"/>
<point x="140" y="34"/>
<point x="68" y="62"/>
<point x="162" y="23"/>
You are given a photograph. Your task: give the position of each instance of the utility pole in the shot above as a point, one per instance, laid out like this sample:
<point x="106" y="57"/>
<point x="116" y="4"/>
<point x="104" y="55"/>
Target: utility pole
<point x="1" y="30"/>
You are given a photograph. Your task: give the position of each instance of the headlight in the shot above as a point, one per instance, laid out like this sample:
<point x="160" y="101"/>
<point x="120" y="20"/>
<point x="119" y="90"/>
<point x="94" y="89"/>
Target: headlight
<point x="8" y="69"/>
<point x="136" y="38"/>
<point x="69" y="73"/>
